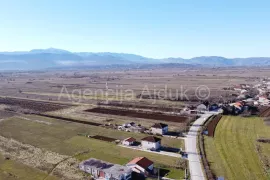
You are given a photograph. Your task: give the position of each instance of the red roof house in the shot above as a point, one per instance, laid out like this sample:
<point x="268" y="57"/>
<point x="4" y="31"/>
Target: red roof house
<point x="129" y="141"/>
<point x="141" y="165"/>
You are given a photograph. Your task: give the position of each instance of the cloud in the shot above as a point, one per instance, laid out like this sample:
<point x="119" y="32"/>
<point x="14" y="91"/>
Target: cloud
<point x="12" y="61"/>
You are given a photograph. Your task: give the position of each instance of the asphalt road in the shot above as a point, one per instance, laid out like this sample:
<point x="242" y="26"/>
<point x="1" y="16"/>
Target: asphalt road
<point x="194" y="158"/>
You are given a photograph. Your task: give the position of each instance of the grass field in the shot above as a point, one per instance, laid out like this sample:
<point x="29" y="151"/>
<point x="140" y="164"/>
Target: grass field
<point x="232" y="152"/>
<point x="61" y="137"/>
<point x="10" y="170"/>
<point x="61" y="130"/>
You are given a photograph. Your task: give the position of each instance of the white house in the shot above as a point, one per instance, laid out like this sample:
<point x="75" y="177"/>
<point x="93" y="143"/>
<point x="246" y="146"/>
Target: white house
<point x="263" y="100"/>
<point x="151" y="143"/>
<point x="141" y="165"/>
<point x="129" y="141"/>
<point x="104" y="170"/>
<point x="160" y="128"/>
<point x="243" y="91"/>
<point x="201" y="107"/>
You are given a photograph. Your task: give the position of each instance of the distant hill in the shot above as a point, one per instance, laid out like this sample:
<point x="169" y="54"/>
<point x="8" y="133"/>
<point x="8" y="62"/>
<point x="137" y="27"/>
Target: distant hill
<point x="58" y="58"/>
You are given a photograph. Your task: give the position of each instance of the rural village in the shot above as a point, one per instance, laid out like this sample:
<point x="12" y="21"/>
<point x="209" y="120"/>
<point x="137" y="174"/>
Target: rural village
<point x="98" y="138"/>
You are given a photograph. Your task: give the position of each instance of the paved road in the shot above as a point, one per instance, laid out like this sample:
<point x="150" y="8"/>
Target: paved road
<point x="194" y="159"/>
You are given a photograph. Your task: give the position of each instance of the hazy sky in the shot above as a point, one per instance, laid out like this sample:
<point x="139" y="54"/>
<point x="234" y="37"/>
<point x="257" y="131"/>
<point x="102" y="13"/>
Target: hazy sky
<point x="152" y="28"/>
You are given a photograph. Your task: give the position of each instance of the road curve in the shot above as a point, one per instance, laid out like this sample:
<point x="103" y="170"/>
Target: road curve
<point x="194" y="158"/>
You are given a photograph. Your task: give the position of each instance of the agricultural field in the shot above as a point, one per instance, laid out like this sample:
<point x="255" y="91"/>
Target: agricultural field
<point x="98" y="101"/>
<point x="80" y="113"/>
<point x="234" y="152"/>
<point x="48" y="85"/>
<point x="10" y="170"/>
<point x="39" y="106"/>
<point x="139" y="114"/>
<point x="62" y="137"/>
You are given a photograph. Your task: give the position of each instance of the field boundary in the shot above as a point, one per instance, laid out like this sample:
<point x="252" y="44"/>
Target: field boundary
<point x="69" y="119"/>
<point x="212" y="124"/>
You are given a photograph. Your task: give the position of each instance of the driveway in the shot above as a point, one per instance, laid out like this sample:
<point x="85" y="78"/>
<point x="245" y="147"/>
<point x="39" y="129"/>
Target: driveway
<point x="156" y="152"/>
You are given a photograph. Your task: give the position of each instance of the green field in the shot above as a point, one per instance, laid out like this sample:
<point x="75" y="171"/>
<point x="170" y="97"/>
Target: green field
<point x="61" y="130"/>
<point x="10" y="170"/>
<point x="61" y="137"/>
<point x="232" y="152"/>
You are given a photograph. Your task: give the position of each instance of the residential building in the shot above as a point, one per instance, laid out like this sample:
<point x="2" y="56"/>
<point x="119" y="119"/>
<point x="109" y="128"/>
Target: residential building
<point x="201" y="107"/>
<point x="160" y="128"/>
<point x="105" y="170"/>
<point x="151" y="143"/>
<point x="214" y="107"/>
<point x="263" y="100"/>
<point x="141" y="165"/>
<point x="129" y="141"/>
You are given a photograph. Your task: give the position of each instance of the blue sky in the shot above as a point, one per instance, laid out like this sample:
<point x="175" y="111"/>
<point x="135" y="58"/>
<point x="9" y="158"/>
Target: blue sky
<point x="152" y="28"/>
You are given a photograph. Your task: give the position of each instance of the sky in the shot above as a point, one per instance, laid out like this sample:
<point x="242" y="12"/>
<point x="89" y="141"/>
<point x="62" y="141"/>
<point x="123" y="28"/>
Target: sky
<point x="151" y="28"/>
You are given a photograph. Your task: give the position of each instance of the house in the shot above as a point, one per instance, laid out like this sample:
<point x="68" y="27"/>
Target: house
<point x="237" y="107"/>
<point x="129" y="141"/>
<point x="201" y="107"/>
<point x="105" y="170"/>
<point x="214" y="107"/>
<point x="237" y="87"/>
<point x="243" y="91"/>
<point x="263" y="100"/>
<point x="151" y="143"/>
<point x="127" y="125"/>
<point x="160" y="128"/>
<point x="141" y="165"/>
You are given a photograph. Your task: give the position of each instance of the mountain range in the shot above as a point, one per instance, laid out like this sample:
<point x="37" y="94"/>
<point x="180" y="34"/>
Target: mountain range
<point x="58" y="58"/>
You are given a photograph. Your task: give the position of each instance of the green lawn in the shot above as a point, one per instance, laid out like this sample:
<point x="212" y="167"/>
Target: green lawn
<point x="232" y="152"/>
<point x="10" y="170"/>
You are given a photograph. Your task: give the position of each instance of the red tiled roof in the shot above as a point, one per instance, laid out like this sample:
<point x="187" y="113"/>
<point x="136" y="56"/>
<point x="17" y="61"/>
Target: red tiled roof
<point x="142" y="161"/>
<point x="130" y="139"/>
<point x="151" y="139"/>
<point x="238" y="103"/>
